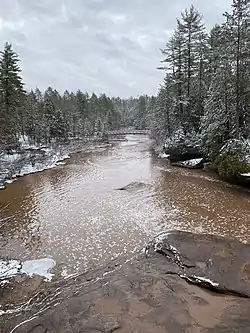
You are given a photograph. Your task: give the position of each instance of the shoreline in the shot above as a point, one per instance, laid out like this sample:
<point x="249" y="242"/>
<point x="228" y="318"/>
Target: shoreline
<point x="33" y="160"/>
<point x="242" y="181"/>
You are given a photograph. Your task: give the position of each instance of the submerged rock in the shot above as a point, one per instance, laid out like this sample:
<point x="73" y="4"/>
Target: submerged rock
<point x="134" y="186"/>
<point x="182" y="282"/>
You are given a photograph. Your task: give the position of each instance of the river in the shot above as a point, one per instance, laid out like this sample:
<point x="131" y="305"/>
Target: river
<point x="76" y="215"/>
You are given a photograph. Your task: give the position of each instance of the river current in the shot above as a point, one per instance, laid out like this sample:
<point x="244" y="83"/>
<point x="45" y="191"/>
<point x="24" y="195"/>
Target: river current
<point x="76" y="215"/>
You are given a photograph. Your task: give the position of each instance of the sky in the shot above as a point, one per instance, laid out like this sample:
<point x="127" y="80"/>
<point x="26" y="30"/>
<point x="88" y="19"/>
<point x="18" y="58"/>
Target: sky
<point x="105" y="46"/>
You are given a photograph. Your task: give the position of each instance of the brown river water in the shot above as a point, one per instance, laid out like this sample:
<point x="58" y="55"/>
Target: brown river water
<point x="75" y="215"/>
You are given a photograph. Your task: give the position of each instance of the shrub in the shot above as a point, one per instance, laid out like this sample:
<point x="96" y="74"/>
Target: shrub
<point x="233" y="159"/>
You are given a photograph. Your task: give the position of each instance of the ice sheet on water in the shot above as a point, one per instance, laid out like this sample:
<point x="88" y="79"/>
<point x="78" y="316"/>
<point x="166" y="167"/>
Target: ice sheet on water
<point x="41" y="267"/>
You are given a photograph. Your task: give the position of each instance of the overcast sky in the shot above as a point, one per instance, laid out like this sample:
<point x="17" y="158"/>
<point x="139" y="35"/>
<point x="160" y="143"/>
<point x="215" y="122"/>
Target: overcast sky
<point x="109" y="46"/>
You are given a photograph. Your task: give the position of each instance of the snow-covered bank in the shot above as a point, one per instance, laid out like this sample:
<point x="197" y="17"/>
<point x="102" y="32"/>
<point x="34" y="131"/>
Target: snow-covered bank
<point x="31" y="159"/>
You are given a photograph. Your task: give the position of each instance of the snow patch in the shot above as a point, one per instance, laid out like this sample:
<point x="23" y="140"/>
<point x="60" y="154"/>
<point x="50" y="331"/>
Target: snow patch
<point x="192" y="162"/>
<point x="10" y="157"/>
<point x="163" y="155"/>
<point x="246" y="174"/>
<point x="159" y="239"/>
<point x="199" y="279"/>
<point x="10" y="181"/>
<point x="9" y="268"/>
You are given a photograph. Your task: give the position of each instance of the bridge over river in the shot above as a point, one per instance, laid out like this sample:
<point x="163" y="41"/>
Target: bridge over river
<point x="128" y="132"/>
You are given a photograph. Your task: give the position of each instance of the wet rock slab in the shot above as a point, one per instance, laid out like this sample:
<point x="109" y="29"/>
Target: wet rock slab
<point x="182" y="282"/>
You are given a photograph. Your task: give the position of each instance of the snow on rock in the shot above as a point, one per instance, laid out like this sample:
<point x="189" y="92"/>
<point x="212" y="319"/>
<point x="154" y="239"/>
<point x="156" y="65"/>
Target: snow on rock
<point x="163" y="155"/>
<point x="158" y="240"/>
<point x="192" y="162"/>
<point x="246" y="174"/>
<point x="200" y="279"/>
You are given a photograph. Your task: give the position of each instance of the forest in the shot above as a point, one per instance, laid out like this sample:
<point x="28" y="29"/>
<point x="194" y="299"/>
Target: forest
<point x="203" y="103"/>
<point x="48" y="116"/>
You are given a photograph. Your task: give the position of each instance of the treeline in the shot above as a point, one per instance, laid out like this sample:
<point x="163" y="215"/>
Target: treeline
<point x="204" y="100"/>
<point x="135" y="112"/>
<point x="43" y="117"/>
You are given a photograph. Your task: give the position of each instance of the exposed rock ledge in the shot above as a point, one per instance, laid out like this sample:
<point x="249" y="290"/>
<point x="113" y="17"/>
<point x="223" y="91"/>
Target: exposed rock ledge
<point x="182" y="282"/>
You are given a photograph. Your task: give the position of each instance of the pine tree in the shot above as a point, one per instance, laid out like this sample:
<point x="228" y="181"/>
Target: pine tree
<point x="141" y="112"/>
<point x="174" y="60"/>
<point x="216" y="124"/>
<point x="192" y="30"/>
<point x="186" y="64"/>
<point x="238" y="26"/>
<point x="11" y="97"/>
<point x="80" y="111"/>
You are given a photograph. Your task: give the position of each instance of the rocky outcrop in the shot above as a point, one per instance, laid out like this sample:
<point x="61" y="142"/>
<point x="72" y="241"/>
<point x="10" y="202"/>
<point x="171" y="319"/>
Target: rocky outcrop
<point x="177" y="155"/>
<point x="181" y="282"/>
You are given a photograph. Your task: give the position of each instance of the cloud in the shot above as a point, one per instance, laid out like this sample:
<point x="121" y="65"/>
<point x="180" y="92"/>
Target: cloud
<point x="109" y="46"/>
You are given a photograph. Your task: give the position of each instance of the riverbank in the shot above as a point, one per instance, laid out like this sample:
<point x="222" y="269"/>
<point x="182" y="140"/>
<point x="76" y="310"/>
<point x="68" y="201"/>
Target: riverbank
<point x="179" y="161"/>
<point x="32" y="159"/>
<point x="181" y="282"/>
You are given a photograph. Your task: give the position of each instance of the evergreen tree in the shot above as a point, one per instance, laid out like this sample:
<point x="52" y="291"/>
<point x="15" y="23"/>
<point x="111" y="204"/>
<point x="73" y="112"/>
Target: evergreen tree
<point x="216" y="122"/>
<point x="206" y="93"/>
<point x="11" y="97"/>
<point x="141" y="112"/>
<point x="186" y="64"/>
<point x="192" y="30"/>
<point x="238" y="27"/>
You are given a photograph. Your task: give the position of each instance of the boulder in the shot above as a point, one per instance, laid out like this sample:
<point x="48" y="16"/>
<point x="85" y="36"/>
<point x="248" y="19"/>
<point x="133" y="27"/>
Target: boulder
<point x="181" y="282"/>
